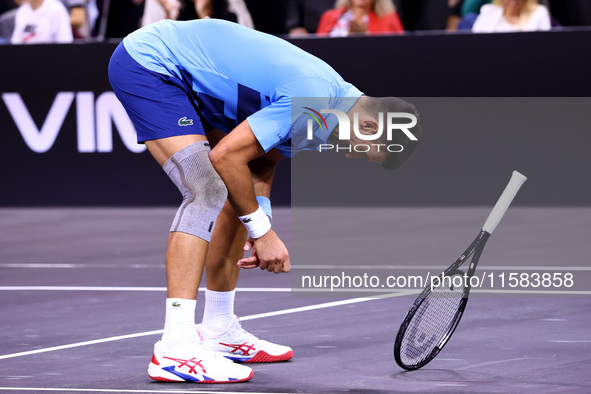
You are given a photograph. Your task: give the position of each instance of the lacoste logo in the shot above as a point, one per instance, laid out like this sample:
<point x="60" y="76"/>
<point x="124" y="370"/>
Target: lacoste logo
<point x="176" y="304"/>
<point x="185" y="122"/>
<point x="247" y="220"/>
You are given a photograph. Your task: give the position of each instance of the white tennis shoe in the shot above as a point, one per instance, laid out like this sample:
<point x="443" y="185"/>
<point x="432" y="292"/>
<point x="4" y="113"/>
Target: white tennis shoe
<point x="239" y="345"/>
<point x="193" y="362"/>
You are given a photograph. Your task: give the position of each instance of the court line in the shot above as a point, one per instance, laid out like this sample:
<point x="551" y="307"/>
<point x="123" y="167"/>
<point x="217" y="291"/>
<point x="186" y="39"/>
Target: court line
<point x="573" y="341"/>
<point x="516" y="291"/>
<point x="491" y="363"/>
<point x="125" y="288"/>
<point x="245" y="318"/>
<point x="538" y="292"/>
<point x="300" y="267"/>
<point x="123" y="390"/>
<point x="78" y="265"/>
<point x="376" y="291"/>
<point x="441" y="268"/>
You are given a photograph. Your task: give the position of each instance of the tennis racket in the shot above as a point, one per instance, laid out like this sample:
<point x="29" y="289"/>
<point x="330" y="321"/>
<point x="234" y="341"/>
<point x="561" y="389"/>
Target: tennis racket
<point x="435" y="314"/>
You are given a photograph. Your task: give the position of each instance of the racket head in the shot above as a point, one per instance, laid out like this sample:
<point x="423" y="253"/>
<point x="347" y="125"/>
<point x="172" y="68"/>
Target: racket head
<point x="437" y="311"/>
<point x="430" y="323"/>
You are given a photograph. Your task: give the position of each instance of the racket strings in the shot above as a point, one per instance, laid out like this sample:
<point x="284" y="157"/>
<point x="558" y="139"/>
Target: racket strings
<point x="430" y="323"/>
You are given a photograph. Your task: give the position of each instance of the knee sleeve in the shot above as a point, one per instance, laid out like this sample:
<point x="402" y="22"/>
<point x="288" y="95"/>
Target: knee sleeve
<point x="204" y="192"/>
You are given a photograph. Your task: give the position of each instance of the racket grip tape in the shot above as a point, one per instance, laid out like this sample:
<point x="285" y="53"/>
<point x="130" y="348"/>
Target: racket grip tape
<point x="517" y="179"/>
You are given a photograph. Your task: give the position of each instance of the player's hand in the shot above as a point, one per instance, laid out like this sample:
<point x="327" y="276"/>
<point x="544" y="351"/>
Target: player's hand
<point x="357" y="26"/>
<point x="268" y="253"/>
<point x="253" y="260"/>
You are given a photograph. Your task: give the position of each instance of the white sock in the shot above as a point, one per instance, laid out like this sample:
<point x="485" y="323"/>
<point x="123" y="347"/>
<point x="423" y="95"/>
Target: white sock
<point x="179" y="324"/>
<point x="219" y="311"/>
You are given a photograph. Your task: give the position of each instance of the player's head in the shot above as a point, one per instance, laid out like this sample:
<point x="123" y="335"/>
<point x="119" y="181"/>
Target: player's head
<point x="390" y="153"/>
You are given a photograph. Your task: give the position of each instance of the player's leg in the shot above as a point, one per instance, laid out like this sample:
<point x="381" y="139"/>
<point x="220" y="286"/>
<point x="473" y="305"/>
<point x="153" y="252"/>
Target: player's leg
<point x="227" y="245"/>
<point x="203" y="196"/>
<point x="226" y="248"/>
<point x="220" y="328"/>
<point x="166" y="121"/>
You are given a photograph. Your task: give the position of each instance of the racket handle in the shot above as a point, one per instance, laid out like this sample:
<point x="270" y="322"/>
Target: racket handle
<point x="517" y="179"/>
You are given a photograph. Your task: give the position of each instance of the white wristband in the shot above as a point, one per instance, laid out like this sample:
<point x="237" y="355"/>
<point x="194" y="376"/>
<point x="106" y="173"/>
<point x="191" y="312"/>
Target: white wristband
<point x="257" y="223"/>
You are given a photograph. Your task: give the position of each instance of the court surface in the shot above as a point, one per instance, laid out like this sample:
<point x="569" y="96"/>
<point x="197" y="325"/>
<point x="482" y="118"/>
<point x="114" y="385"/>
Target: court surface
<point x="82" y="303"/>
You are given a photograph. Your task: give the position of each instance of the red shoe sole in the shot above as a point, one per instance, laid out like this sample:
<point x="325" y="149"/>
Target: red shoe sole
<point x="203" y="382"/>
<point x="264" y="357"/>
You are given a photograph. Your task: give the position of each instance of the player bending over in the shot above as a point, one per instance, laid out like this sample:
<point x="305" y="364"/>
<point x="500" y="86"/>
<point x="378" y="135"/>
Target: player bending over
<point x="188" y="87"/>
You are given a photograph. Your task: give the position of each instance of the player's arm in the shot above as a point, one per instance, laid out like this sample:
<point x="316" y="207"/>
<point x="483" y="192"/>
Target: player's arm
<point x="262" y="170"/>
<point x="231" y="158"/>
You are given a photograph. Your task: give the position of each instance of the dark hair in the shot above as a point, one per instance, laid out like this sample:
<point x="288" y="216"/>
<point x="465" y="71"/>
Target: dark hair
<point x="375" y="105"/>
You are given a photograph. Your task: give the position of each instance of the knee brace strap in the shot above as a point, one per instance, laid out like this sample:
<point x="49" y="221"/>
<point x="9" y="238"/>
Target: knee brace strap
<point x="204" y="192"/>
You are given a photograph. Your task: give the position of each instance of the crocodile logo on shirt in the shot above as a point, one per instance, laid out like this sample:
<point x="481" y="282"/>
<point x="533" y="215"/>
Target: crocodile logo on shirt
<point x="185" y="122"/>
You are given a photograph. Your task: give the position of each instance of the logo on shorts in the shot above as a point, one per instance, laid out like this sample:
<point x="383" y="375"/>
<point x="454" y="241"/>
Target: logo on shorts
<point x="185" y="122"/>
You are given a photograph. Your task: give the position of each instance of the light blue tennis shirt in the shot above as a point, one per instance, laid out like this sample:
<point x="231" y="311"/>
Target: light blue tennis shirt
<point x="236" y="73"/>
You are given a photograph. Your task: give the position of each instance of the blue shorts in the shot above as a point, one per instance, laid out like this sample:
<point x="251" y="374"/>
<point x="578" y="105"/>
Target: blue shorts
<point x="159" y="106"/>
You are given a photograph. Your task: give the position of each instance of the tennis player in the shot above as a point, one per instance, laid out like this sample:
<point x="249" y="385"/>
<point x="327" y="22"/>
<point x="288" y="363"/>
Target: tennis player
<point x="211" y="100"/>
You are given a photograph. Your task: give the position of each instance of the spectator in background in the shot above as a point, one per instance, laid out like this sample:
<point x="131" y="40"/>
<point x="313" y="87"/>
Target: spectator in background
<point x="241" y="10"/>
<point x="217" y="9"/>
<point x="78" y="17"/>
<point x="303" y="16"/>
<point x="7" y="19"/>
<point x="360" y="17"/>
<point x="42" y="21"/>
<point x="473" y="6"/>
<point x="156" y="10"/>
<point x="231" y="10"/>
<point x="512" y="15"/>
<point x="455" y="14"/>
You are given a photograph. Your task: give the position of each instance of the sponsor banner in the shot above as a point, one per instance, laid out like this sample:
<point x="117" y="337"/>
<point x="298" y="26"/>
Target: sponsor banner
<point x="67" y="142"/>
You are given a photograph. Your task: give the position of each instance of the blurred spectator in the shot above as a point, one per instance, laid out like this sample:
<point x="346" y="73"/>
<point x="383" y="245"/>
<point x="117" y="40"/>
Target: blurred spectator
<point x="512" y="15"/>
<point x="360" y="16"/>
<point x="188" y="11"/>
<point x="7" y="26"/>
<point x="217" y="9"/>
<point x="155" y="10"/>
<point x="241" y="10"/>
<point x="303" y="16"/>
<point x="78" y="17"/>
<point x="455" y="14"/>
<point x="7" y="19"/>
<point x="232" y="10"/>
<point x="42" y="21"/>
<point x="473" y="6"/>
